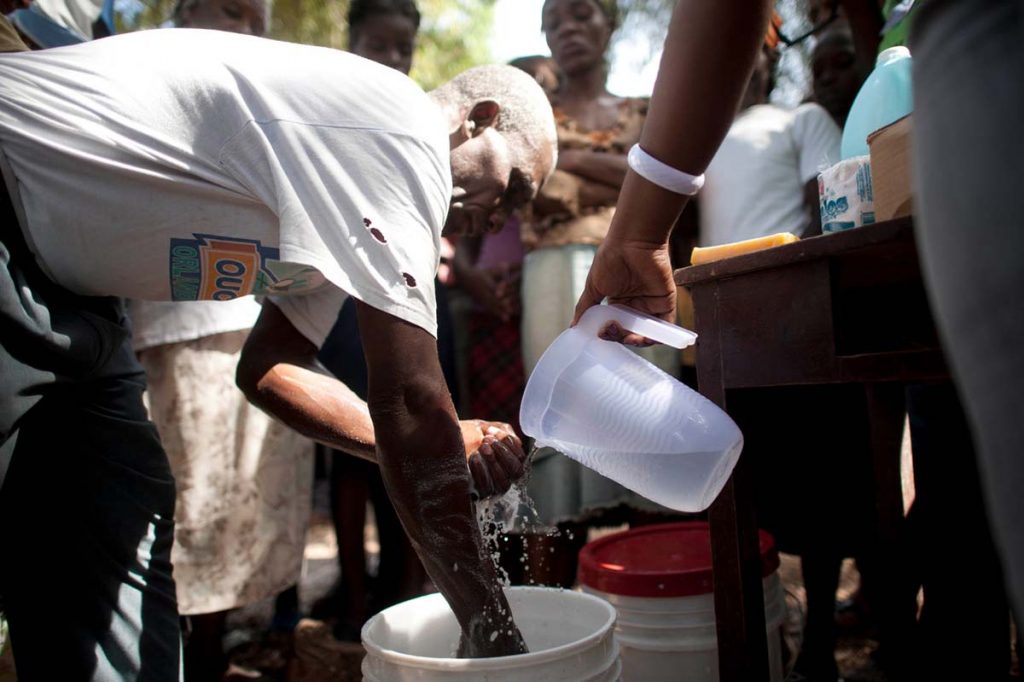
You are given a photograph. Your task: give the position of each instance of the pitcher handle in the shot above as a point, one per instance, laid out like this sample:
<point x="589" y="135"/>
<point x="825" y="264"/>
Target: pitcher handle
<point x="597" y="317"/>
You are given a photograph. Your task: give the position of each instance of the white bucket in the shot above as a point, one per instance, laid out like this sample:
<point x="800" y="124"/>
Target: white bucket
<point x="672" y="637"/>
<point x="570" y="637"/>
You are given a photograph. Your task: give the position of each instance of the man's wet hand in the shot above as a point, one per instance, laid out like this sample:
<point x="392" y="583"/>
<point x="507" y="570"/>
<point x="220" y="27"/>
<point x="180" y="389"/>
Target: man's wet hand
<point x="494" y="454"/>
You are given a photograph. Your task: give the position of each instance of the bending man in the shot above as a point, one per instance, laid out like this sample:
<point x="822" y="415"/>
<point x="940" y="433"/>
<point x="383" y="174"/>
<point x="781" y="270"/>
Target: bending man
<point x="193" y="165"/>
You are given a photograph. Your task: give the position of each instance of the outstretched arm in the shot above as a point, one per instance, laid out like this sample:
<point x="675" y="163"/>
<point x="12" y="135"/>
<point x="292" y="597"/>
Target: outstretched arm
<point x="419" y="446"/>
<point x="279" y="373"/>
<point x="709" y="54"/>
<point x="605" y="168"/>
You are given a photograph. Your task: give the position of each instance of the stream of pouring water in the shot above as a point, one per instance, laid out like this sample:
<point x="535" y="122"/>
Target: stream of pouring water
<point x="513" y="512"/>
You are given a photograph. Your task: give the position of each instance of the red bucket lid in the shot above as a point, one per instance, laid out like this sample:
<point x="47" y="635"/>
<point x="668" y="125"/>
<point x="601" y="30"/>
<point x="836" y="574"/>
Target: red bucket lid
<point x="663" y="560"/>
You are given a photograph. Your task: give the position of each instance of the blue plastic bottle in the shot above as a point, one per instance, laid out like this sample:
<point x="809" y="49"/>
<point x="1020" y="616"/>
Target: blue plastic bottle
<point x="885" y="97"/>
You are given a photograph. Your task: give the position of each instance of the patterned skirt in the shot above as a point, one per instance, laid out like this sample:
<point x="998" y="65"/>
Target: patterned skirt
<point x="244" y="480"/>
<point x="495" y="364"/>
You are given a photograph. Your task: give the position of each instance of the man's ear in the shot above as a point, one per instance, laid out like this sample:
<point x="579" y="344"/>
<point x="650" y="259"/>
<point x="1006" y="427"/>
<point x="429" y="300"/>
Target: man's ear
<point x="484" y="114"/>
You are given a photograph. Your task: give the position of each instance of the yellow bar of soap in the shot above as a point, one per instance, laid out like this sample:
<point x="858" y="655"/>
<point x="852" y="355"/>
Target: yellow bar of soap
<point x="708" y="254"/>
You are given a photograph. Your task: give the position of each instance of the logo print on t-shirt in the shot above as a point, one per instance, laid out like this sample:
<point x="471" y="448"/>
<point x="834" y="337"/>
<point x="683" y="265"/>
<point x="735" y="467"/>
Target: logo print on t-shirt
<point x="212" y="268"/>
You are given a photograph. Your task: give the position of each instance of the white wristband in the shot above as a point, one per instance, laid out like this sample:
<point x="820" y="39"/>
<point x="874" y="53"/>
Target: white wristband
<point x="662" y="174"/>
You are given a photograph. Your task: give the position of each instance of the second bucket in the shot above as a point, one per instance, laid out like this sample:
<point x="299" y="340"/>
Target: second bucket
<point x="658" y="578"/>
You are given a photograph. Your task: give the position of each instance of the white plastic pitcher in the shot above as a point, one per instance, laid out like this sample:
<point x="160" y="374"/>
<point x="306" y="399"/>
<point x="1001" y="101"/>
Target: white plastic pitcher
<point x="570" y="636"/>
<point x="609" y="409"/>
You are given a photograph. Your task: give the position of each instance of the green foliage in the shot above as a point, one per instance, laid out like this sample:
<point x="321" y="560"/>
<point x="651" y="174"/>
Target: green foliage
<point x="453" y="37"/>
<point x="312" y="22"/>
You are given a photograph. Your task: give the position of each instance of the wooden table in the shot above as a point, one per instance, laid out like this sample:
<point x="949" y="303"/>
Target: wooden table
<point x="840" y="308"/>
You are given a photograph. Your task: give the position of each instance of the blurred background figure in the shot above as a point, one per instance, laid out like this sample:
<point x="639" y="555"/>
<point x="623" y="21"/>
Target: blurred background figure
<point x="250" y="17"/>
<point x="571" y="216"/>
<point x="385" y="32"/>
<point x="764" y="177"/>
<point x="52" y="23"/>
<point x="243" y="479"/>
<point x="763" y="180"/>
<point x="542" y="68"/>
<point x="836" y="78"/>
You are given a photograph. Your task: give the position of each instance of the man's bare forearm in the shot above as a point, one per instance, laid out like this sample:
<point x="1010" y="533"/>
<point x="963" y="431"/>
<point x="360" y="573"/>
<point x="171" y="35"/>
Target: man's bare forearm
<point x="423" y="469"/>
<point x="319" y="407"/>
<point x="422" y="461"/>
<point x="279" y="373"/>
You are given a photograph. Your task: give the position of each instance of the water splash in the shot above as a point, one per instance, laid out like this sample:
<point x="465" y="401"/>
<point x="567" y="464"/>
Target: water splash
<point x="514" y="515"/>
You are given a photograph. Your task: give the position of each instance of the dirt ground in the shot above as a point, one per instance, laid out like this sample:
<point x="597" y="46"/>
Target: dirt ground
<point x="264" y="658"/>
<point x="315" y="649"/>
<point x="312" y="655"/>
<point x="854" y="647"/>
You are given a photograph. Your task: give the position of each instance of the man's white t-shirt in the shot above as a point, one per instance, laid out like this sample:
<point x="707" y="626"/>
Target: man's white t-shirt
<point x="201" y="165"/>
<point x="755" y="184"/>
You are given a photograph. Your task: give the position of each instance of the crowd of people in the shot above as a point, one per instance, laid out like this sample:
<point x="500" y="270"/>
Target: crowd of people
<point x="411" y="270"/>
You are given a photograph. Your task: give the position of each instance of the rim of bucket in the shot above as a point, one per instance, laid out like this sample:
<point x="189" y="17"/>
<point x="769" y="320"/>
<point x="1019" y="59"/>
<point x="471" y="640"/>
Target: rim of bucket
<point x="665" y="580"/>
<point x="488" y="664"/>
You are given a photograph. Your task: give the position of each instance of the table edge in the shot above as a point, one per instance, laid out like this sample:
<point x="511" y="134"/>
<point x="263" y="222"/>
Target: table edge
<point x="812" y="248"/>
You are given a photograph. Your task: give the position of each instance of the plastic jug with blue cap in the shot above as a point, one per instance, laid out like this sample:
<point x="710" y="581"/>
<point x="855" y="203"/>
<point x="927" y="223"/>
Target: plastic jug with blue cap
<point x="885" y="96"/>
<point x="613" y="411"/>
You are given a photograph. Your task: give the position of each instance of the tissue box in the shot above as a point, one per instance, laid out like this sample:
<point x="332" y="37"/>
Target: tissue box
<point x="890" y="169"/>
<point x="845" y="195"/>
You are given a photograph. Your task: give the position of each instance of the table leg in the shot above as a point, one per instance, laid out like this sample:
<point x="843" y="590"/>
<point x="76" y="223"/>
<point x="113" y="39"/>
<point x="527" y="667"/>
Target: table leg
<point x="735" y="549"/>
<point x="739" y="595"/>
<point x="894" y="600"/>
